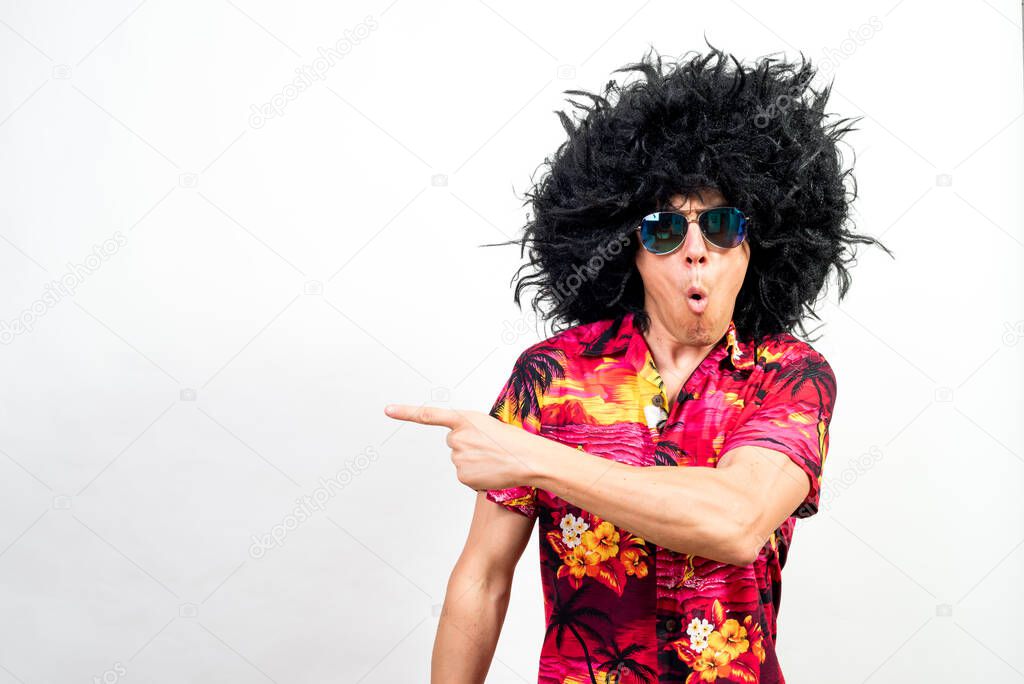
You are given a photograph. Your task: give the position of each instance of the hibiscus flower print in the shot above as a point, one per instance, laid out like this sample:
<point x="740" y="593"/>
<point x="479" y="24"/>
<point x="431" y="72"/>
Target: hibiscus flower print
<point x="590" y="547"/>
<point x="721" y="648"/>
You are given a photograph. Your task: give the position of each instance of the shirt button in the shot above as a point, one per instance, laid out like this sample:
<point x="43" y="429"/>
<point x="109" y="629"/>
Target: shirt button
<point x="657" y="400"/>
<point x="671" y="625"/>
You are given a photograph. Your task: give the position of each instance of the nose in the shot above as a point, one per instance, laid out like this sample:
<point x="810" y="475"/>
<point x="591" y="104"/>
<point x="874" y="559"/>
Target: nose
<point x="694" y="250"/>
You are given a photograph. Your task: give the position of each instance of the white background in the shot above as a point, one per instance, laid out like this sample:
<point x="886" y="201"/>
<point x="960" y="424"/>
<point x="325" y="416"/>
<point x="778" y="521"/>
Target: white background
<point x="199" y="381"/>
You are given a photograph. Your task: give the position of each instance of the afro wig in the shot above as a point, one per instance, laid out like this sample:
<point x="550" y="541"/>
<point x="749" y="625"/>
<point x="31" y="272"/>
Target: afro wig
<point x="758" y="134"/>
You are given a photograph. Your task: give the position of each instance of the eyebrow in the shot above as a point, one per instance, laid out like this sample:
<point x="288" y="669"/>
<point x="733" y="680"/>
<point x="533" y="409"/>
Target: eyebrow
<point x="710" y="206"/>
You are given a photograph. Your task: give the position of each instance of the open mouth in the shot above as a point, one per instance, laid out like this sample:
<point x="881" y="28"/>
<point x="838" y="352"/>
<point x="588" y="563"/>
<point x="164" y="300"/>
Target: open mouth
<point x="697" y="293"/>
<point x="697" y="299"/>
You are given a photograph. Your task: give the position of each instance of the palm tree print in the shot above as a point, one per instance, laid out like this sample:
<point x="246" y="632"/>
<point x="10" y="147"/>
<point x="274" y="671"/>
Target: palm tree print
<point x="530" y="379"/>
<point x="620" y="659"/>
<point x="567" y="616"/>
<point x="668" y="453"/>
<point x="818" y="374"/>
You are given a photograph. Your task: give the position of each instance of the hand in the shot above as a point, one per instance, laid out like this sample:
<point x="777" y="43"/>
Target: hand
<point x="487" y="453"/>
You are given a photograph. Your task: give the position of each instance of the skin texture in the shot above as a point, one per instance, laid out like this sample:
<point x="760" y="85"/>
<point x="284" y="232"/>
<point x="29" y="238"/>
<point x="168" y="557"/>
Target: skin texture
<point x="477" y="595"/>
<point x="679" y="339"/>
<point x="725" y="513"/>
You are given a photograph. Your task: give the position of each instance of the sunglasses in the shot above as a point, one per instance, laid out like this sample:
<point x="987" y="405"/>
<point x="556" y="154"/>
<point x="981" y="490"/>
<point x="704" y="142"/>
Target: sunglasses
<point x="664" y="231"/>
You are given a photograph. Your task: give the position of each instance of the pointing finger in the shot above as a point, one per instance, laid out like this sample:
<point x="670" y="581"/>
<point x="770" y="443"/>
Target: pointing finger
<point x="424" y="415"/>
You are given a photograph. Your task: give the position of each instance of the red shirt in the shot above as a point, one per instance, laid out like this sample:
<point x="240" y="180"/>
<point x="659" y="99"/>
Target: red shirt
<point x="619" y="608"/>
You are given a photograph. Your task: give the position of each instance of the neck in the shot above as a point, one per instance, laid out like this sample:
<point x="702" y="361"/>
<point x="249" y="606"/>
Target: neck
<point x="678" y="347"/>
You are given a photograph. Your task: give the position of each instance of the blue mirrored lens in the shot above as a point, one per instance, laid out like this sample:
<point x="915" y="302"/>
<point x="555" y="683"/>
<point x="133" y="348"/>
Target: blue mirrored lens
<point x="724" y="226"/>
<point x="663" y="231"/>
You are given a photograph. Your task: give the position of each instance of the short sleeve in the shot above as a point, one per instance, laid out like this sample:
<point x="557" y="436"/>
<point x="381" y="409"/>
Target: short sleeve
<point x="518" y="404"/>
<point x="790" y="413"/>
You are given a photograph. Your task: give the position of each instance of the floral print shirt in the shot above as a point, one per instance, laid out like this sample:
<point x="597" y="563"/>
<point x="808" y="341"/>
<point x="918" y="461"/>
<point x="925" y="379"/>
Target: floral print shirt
<point x="619" y="608"/>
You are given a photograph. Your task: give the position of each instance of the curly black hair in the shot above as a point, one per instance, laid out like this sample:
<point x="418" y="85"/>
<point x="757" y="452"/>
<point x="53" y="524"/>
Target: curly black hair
<point x="758" y="134"/>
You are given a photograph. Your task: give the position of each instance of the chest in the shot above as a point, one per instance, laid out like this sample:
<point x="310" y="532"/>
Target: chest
<point x="627" y="417"/>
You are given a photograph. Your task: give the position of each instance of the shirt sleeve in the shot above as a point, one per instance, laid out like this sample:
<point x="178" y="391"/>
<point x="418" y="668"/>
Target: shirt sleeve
<point x="790" y="413"/>
<point x="518" y="403"/>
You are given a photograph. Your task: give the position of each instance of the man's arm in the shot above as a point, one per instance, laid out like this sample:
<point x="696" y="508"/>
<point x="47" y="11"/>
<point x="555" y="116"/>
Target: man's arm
<point x="478" y="593"/>
<point x="725" y="513"/>
<point x="769" y="469"/>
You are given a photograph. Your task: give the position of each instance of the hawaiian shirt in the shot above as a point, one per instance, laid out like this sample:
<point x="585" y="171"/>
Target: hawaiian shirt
<point x="619" y="608"/>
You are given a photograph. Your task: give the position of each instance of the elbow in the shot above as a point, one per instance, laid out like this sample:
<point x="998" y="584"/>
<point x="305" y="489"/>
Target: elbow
<point x="744" y="543"/>
<point x="734" y="535"/>
<point x="485" y="583"/>
<point x="732" y="549"/>
<point x="728" y="535"/>
<point x="731" y="544"/>
<point x="743" y="552"/>
<point x="740" y="536"/>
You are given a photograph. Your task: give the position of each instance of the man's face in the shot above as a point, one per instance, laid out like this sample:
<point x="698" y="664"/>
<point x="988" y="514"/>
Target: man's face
<point x="719" y="272"/>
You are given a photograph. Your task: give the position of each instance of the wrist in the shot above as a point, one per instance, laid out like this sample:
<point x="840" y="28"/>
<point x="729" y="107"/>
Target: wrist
<point x="545" y="462"/>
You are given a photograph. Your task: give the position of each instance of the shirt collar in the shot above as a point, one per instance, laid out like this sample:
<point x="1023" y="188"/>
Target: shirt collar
<point x="611" y="337"/>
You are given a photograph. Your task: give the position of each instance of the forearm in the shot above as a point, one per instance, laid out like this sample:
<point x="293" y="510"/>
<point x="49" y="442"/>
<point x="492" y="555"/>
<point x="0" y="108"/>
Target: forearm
<point x="689" y="510"/>
<point x="467" y="633"/>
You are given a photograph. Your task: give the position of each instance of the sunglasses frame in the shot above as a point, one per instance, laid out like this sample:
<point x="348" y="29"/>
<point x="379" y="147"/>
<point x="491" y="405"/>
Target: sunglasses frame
<point x="639" y="229"/>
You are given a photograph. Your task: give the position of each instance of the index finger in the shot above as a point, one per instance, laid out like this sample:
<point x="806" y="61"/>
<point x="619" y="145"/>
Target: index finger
<point x="424" y="415"/>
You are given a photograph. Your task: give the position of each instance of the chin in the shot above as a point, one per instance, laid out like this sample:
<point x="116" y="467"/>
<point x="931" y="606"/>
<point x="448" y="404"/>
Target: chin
<point x="699" y="329"/>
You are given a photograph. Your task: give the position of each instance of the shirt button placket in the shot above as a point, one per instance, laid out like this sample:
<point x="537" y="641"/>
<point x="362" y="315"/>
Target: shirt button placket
<point x="658" y="401"/>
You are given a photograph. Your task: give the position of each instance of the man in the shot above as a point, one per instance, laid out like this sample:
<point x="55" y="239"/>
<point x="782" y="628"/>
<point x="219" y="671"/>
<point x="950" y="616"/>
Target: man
<point x="667" y="440"/>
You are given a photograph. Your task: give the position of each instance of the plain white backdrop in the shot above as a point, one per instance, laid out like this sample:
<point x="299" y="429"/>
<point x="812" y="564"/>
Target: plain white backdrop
<point x="213" y="282"/>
